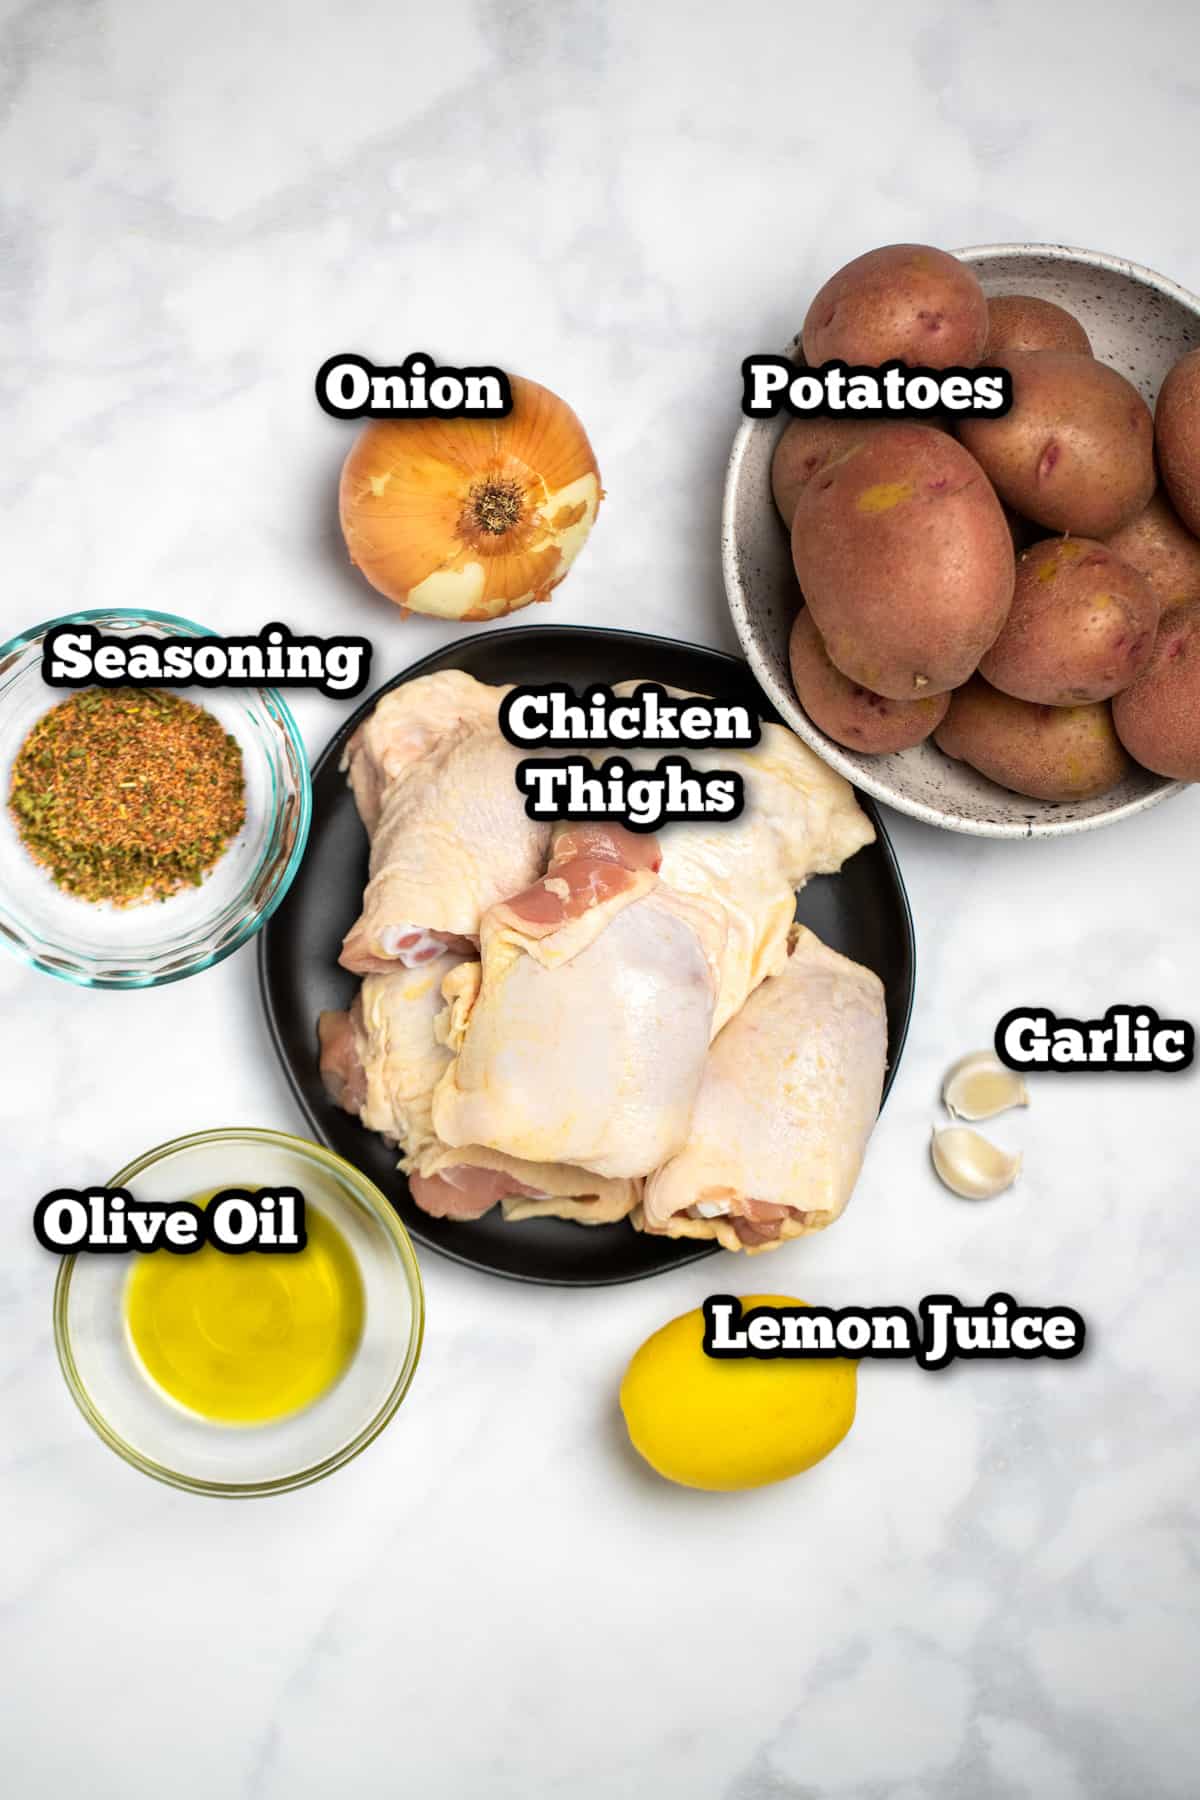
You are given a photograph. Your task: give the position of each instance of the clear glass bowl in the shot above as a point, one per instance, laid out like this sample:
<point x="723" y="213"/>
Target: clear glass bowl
<point x="104" y="946"/>
<point x="161" y="1438"/>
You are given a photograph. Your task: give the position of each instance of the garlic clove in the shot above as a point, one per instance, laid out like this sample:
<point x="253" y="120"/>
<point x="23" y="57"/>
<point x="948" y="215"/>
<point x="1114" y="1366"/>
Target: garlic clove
<point x="970" y="1166"/>
<point x="979" y="1086"/>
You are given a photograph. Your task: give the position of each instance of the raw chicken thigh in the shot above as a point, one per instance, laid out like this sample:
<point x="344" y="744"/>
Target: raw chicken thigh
<point x="435" y="786"/>
<point x="800" y="819"/>
<point x="582" y="1039"/>
<point x="413" y="721"/>
<point x="464" y="1184"/>
<point x="791" y="1090"/>
<point x="382" y="1060"/>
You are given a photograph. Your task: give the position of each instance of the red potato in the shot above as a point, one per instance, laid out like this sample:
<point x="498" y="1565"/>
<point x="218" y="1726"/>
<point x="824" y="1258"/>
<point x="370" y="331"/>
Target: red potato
<point x="850" y="714"/>
<point x="1076" y="452"/>
<point x="1177" y="437"/>
<point x="1021" y="322"/>
<point x="905" y="559"/>
<point x="1158" y="718"/>
<point x="907" y="301"/>
<point x="805" y="448"/>
<point x="1048" y="752"/>
<point x="1158" y="545"/>
<point x="1081" y="625"/>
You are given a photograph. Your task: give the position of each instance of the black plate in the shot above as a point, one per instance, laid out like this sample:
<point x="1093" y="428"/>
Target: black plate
<point x="862" y="912"/>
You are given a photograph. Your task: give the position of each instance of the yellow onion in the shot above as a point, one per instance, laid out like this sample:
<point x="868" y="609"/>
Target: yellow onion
<point x="471" y="518"/>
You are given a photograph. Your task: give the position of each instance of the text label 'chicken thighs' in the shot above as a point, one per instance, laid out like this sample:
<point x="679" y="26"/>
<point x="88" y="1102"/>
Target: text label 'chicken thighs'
<point x="582" y="787"/>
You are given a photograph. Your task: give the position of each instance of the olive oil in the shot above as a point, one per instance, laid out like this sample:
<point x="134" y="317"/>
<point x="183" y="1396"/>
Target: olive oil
<point x="247" y="1339"/>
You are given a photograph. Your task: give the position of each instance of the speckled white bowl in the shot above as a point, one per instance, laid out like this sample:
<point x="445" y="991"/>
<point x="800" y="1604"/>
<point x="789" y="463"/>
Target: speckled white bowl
<point x="1140" y="323"/>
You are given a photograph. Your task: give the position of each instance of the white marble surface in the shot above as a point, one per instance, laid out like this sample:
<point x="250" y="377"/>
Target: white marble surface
<point x="991" y="1588"/>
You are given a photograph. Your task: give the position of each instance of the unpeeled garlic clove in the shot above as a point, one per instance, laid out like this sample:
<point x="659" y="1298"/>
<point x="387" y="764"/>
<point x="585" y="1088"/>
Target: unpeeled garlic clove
<point x="979" y="1086"/>
<point x="969" y="1165"/>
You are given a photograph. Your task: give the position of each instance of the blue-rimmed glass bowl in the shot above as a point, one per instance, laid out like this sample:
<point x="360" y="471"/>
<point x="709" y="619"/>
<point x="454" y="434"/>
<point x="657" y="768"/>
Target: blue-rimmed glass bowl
<point x="105" y="946"/>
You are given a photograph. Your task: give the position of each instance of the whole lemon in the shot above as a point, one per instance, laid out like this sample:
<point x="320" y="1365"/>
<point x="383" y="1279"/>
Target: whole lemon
<point x="733" y="1423"/>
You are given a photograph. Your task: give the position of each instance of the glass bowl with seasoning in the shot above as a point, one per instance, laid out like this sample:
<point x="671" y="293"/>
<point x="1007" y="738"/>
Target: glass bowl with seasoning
<point x="146" y="832"/>
<point x="247" y="1373"/>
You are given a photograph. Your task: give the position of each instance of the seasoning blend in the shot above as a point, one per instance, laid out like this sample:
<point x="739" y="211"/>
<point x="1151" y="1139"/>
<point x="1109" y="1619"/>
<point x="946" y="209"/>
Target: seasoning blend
<point x="127" y="794"/>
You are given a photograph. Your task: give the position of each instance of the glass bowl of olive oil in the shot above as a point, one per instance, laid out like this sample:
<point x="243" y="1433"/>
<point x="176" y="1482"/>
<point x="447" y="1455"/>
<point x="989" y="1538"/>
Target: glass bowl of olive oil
<point x="249" y="1372"/>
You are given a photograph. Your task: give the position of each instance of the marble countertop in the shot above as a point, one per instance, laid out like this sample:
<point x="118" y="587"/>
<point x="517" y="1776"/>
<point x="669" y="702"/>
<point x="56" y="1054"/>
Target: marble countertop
<point x="990" y="1589"/>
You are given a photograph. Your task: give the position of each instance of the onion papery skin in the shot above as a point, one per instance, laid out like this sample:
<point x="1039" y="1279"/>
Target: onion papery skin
<point x="471" y="518"/>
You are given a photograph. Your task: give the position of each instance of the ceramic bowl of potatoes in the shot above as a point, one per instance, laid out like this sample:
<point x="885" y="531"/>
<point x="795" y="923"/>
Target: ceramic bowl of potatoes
<point x="990" y="622"/>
